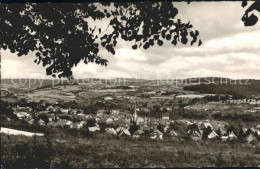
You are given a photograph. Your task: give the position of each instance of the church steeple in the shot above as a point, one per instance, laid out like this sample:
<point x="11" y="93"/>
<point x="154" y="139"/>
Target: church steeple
<point x="135" y="114"/>
<point x="134" y="117"/>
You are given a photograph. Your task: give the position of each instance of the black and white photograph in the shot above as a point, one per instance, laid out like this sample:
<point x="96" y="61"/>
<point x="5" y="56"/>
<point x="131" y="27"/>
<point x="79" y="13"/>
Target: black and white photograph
<point x="129" y="84"/>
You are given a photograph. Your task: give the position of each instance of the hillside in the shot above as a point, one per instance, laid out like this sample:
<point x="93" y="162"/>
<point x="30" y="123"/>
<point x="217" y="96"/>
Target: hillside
<point x="242" y="89"/>
<point x="107" y="151"/>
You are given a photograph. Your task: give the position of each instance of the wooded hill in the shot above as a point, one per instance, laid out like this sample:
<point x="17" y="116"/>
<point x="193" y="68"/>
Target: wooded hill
<point x="239" y="89"/>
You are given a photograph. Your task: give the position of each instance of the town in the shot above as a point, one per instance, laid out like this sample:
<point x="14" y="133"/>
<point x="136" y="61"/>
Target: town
<point x="124" y="84"/>
<point x="141" y="108"/>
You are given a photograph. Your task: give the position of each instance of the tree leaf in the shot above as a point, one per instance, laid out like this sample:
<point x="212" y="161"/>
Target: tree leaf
<point x="200" y="43"/>
<point x="163" y="33"/>
<point x="244" y="3"/>
<point x="174" y="42"/>
<point x="168" y="37"/>
<point x="146" y="45"/>
<point x="160" y="42"/>
<point x="251" y="20"/>
<point x="184" y="40"/>
<point x="134" y="47"/>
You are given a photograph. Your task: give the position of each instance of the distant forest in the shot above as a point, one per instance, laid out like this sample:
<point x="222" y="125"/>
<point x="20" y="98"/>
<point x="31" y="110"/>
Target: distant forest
<point x="241" y="90"/>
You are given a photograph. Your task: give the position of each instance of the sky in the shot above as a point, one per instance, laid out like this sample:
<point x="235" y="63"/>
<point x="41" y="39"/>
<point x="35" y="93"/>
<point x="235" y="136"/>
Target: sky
<point x="229" y="50"/>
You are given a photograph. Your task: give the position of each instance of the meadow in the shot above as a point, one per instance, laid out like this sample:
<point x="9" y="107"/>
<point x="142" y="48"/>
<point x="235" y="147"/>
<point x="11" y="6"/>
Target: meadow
<point x="51" y="95"/>
<point x="65" y="150"/>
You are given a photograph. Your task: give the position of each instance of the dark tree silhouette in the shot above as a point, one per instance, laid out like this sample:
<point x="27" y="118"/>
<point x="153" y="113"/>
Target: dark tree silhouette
<point x="160" y="127"/>
<point x="91" y="122"/>
<point x="44" y="117"/>
<point x="206" y="133"/>
<point x="133" y="128"/>
<point x="61" y="36"/>
<point x="192" y="128"/>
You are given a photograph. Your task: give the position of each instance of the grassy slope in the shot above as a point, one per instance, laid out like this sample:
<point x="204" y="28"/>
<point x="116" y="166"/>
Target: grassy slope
<point x="104" y="151"/>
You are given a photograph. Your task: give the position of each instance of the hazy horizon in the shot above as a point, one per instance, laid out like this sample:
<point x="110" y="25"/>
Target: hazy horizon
<point x="51" y="78"/>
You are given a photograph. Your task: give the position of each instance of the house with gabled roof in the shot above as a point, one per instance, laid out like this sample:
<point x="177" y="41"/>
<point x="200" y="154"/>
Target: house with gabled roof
<point x="41" y="122"/>
<point x="165" y="116"/>
<point x="213" y="135"/>
<point x="100" y="112"/>
<point x="64" y="111"/>
<point x="165" y="121"/>
<point x="169" y="109"/>
<point x="205" y="125"/>
<point x="186" y="122"/>
<point x="22" y="115"/>
<point x="120" y="122"/>
<point x="63" y="122"/>
<point x="229" y="136"/>
<point x="156" y="134"/>
<point x="244" y="129"/>
<point x="52" y="124"/>
<point x="217" y="124"/>
<point x="114" y="112"/>
<point x="145" y="128"/>
<point x="94" y="128"/>
<point x="121" y="131"/>
<point x="82" y="123"/>
<point x="253" y="129"/>
<point x="138" y="133"/>
<point x="75" y="125"/>
<point x="109" y="121"/>
<point x="251" y="138"/>
<point x="110" y="131"/>
<point x="31" y="121"/>
<point x="80" y="116"/>
<point x="140" y="120"/>
<point x="258" y="132"/>
<point x="173" y="133"/>
<point x="195" y="135"/>
<point x="222" y="130"/>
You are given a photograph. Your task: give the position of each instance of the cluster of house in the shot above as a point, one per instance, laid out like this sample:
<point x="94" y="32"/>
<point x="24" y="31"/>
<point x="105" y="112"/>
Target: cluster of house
<point x="149" y="127"/>
<point x="119" y="123"/>
<point x="217" y="130"/>
<point x="52" y="115"/>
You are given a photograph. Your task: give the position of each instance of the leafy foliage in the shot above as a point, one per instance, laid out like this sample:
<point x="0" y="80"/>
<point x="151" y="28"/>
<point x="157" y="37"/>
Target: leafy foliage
<point x="61" y="37"/>
<point x="252" y="19"/>
<point x="102" y="151"/>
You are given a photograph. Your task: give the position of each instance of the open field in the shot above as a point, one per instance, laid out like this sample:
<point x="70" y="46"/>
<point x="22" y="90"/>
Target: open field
<point x="51" y="95"/>
<point x="71" y="88"/>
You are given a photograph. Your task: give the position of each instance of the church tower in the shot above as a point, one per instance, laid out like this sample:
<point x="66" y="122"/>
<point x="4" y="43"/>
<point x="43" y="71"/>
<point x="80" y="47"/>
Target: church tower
<point x="134" y="117"/>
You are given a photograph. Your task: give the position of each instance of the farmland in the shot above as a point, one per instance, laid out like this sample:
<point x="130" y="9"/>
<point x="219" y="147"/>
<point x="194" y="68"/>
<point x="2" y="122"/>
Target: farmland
<point x="51" y="95"/>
